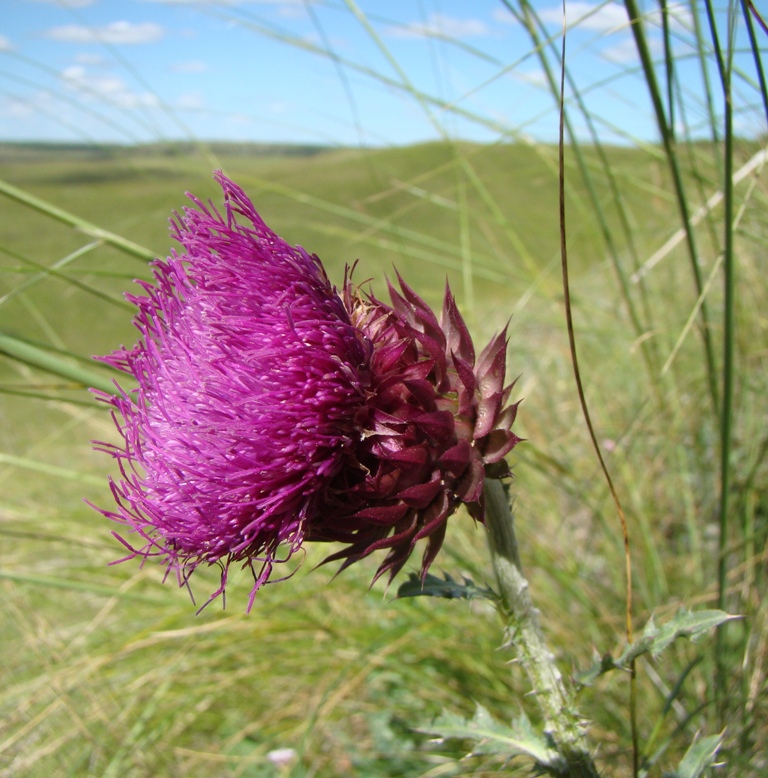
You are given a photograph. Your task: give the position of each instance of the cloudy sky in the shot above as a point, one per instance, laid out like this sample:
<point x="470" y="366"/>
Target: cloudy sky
<point x="314" y="71"/>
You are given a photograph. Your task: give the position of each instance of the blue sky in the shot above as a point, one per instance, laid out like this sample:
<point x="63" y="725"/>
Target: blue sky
<point x="312" y="71"/>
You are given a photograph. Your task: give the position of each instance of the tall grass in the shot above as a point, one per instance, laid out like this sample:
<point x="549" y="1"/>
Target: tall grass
<point x="106" y="672"/>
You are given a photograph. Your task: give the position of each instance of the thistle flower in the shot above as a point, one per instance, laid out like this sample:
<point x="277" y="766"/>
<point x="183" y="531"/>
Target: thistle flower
<point x="273" y="410"/>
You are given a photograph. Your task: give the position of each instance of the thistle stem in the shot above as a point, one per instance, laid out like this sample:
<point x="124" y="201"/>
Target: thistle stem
<point x="562" y="722"/>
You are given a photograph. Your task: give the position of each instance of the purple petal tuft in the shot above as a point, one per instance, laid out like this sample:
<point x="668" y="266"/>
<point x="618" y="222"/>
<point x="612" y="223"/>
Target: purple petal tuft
<point x="249" y="381"/>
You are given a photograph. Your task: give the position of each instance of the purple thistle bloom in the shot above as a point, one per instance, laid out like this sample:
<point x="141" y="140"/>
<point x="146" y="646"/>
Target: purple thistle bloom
<point x="271" y="410"/>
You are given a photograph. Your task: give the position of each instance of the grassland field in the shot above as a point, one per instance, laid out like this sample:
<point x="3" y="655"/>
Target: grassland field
<point x="108" y="672"/>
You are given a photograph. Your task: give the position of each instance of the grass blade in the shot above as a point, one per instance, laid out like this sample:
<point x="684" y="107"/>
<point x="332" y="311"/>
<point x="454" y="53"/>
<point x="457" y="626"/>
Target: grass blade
<point x="52" y="362"/>
<point x="59" y="214"/>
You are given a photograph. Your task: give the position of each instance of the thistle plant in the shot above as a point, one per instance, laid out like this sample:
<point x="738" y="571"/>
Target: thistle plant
<point x="272" y="409"/>
<point x="266" y="420"/>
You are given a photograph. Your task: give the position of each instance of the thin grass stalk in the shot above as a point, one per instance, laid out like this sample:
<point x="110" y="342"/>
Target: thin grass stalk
<point x="682" y="200"/>
<point x="703" y="57"/>
<point x="726" y="414"/>
<point x="438" y="252"/>
<point x="51" y="398"/>
<point x="466" y="247"/>
<point x="499" y="217"/>
<point x="700" y="181"/>
<point x="586" y="414"/>
<point x="423" y="98"/>
<point x="759" y="18"/>
<point x="54" y="471"/>
<point x="671" y="697"/>
<point x="719" y="59"/>
<point x="80" y="105"/>
<point x="53" y="271"/>
<point x="669" y="64"/>
<point x="173" y="116"/>
<point x="51" y="362"/>
<point x="82" y="225"/>
<point x="340" y="72"/>
<point x="647" y="348"/>
<point x="647" y="345"/>
<point x="404" y="79"/>
<point x="564" y="123"/>
<point x="747" y="9"/>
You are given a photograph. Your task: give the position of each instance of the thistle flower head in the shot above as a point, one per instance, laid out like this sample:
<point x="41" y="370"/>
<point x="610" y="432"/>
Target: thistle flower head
<point x="271" y="410"/>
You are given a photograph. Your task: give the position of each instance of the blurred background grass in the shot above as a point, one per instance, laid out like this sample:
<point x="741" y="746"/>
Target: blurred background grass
<point x="108" y="673"/>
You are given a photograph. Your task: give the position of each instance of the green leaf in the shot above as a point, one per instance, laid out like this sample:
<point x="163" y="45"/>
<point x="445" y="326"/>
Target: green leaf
<point x="432" y="586"/>
<point x="698" y="758"/>
<point x="491" y="737"/>
<point x="685" y="623"/>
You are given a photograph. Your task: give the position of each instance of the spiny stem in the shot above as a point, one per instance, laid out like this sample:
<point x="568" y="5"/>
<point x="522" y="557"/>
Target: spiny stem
<point x="561" y="719"/>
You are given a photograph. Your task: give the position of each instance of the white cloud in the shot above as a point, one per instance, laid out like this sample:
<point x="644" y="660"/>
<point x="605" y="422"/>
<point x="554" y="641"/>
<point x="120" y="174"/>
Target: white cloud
<point x="190" y="101"/>
<point x="610" y="17"/>
<point x="115" y="33"/>
<point x="95" y="60"/>
<point x="503" y="15"/>
<point x="679" y="16"/>
<point x="292" y="10"/>
<point x="239" y="118"/>
<point x="621" y="53"/>
<point x="606" y="17"/>
<point x="5" y="44"/>
<point x="110" y="89"/>
<point x="626" y="51"/>
<point x="441" y="26"/>
<point x="73" y="73"/>
<point x="192" y="66"/>
<point x="533" y="77"/>
<point x="14" y="108"/>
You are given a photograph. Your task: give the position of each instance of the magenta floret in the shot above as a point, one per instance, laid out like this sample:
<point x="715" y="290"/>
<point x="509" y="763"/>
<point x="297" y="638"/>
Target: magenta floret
<point x="248" y="372"/>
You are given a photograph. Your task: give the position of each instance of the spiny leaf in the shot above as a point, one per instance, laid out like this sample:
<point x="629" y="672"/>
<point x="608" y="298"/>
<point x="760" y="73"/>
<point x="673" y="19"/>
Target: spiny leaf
<point x="685" y="623"/>
<point x="432" y="586"/>
<point x="491" y="737"/>
<point x="698" y="758"/>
